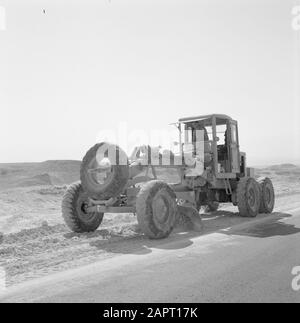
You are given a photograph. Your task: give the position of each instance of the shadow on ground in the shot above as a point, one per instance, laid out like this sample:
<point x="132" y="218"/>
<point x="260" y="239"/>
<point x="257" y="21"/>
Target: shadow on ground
<point x="180" y="238"/>
<point x="271" y="228"/>
<point x="141" y="245"/>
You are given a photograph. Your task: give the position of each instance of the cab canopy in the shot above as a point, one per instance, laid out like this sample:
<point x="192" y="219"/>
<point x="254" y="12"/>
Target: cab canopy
<point x="207" y="119"/>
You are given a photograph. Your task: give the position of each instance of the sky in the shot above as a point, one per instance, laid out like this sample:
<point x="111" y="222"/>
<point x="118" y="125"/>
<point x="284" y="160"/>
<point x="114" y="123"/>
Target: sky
<point x="85" y="66"/>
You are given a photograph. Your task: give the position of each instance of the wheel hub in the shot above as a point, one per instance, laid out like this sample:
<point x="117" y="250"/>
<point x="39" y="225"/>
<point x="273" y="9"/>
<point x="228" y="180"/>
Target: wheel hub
<point x="160" y="209"/>
<point x="83" y="214"/>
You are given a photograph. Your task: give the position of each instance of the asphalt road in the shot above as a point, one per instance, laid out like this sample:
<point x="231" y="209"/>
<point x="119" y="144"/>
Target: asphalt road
<point x="252" y="262"/>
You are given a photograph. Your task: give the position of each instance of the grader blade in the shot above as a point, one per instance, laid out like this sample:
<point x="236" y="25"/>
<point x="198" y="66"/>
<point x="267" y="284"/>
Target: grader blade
<point x="190" y="217"/>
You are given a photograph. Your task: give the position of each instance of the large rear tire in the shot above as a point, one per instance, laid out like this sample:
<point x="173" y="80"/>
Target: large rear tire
<point x="156" y="209"/>
<point x="267" y="198"/>
<point x="248" y="197"/>
<point x="105" y="178"/>
<point x="74" y="206"/>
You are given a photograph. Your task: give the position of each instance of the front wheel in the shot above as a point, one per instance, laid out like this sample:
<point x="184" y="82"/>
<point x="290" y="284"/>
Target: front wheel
<point x="156" y="209"/>
<point x="74" y="210"/>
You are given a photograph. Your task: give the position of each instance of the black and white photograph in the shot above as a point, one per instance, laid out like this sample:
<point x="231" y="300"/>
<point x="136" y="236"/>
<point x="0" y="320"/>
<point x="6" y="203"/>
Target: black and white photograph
<point x="149" y="154"/>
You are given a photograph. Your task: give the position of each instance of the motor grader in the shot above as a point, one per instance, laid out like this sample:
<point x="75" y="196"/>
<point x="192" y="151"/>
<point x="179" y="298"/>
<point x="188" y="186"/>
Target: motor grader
<point x="211" y="170"/>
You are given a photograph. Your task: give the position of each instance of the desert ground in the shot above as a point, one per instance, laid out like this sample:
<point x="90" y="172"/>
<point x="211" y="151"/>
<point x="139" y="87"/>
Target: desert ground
<point x="35" y="243"/>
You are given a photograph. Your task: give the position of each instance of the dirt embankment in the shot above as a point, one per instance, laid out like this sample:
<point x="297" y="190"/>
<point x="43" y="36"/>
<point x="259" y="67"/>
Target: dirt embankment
<point x="53" y="172"/>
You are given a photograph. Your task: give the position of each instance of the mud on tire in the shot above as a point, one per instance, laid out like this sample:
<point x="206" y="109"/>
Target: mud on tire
<point x="267" y="197"/>
<point x="114" y="180"/>
<point x="156" y="209"/>
<point x="73" y="210"/>
<point x="248" y="197"/>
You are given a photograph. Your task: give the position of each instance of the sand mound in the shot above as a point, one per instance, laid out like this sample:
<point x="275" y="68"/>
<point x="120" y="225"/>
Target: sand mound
<point x="53" y="172"/>
<point x="283" y="166"/>
<point x="42" y="179"/>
